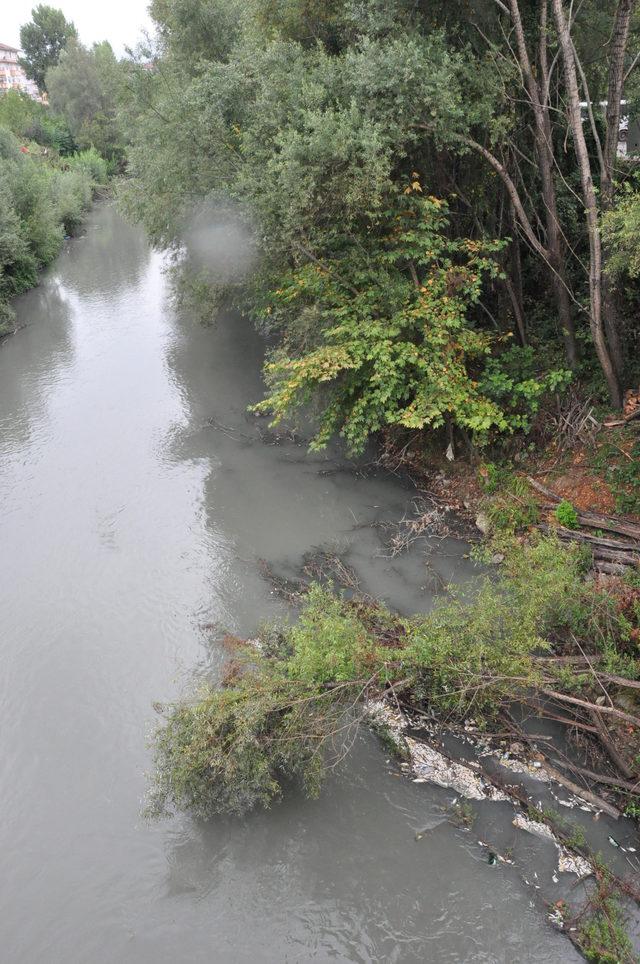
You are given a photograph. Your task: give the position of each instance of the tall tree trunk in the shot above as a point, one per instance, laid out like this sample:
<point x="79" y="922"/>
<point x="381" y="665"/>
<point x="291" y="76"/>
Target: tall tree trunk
<point x="612" y="322"/>
<point x="514" y="283"/>
<point x="618" y="47"/>
<point x="619" y="39"/>
<point x="544" y="148"/>
<point x="591" y="207"/>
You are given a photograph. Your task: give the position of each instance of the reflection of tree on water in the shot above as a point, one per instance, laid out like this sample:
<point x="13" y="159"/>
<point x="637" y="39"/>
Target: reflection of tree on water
<point x="267" y="499"/>
<point x="117" y="255"/>
<point x="42" y="347"/>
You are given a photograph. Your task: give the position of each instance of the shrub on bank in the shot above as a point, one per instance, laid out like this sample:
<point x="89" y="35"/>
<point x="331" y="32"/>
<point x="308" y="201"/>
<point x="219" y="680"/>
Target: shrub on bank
<point x="283" y="713"/>
<point x="32" y="121"/>
<point x="42" y="198"/>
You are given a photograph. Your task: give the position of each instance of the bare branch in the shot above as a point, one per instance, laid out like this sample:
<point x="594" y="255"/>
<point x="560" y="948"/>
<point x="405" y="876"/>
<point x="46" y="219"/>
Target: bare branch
<point x="592" y="120"/>
<point x="512" y="191"/>
<point x="631" y="67"/>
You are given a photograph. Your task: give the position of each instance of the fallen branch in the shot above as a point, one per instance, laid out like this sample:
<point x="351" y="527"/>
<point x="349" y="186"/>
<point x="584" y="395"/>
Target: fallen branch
<point x="610" y="568"/>
<point x="623" y="681"/>
<point x="615" y="555"/>
<point x="560" y="778"/>
<point x="592" y="520"/>
<point x="620" y="681"/>
<point x="615" y="754"/>
<point x="543" y="490"/>
<point x="574" y="701"/>
<point x="579" y="791"/>
<point x="624" y="420"/>
<point x="599" y="777"/>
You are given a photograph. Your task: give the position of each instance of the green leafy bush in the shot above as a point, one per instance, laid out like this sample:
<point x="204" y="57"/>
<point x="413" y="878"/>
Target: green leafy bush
<point x="32" y="121"/>
<point x="235" y="748"/>
<point x="621" y="471"/>
<point x="396" y="341"/>
<point x="282" y="713"/>
<point x="512" y="506"/>
<point x="566" y="514"/>
<point x="90" y="163"/>
<point x="621" y="231"/>
<point x="603" y="938"/>
<point x="73" y="193"/>
<point x="41" y="200"/>
<point x="519" y="383"/>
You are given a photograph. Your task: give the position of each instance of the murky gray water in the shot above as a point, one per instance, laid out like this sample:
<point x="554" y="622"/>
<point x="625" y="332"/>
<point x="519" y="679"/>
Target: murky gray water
<point x="127" y="525"/>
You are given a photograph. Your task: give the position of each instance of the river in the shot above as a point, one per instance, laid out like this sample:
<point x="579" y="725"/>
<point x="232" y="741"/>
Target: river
<point x="136" y="498"/>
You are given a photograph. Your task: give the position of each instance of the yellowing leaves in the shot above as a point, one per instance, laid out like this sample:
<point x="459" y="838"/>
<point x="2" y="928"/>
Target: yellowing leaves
<point x="389" y="350"/>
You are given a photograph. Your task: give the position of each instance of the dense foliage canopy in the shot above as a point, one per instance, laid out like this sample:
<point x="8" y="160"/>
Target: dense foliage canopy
<point x="313" y="119"/>
<point x="43" y="39"/>
<point x="86" y="87"/>
<point x="285" y="712"/>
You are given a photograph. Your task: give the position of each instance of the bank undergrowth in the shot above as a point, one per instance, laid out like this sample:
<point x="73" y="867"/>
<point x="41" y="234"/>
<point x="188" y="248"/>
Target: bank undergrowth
<point x="543" y="631"/>
<point x="43" y="198"/>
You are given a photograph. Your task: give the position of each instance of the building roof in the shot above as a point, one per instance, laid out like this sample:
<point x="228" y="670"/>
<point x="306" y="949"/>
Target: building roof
<point x="14" y="50"/>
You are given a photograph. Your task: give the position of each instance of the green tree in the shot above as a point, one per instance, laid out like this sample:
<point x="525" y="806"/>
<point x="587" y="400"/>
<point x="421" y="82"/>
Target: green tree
<point x="396" y="344"/>
<point x="43" y="39"/>
<point x="311" y="117"/>
<point x="85" y="87"/>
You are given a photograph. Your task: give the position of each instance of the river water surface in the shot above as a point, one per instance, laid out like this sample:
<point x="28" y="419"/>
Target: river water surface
<point x="136" y="499"/>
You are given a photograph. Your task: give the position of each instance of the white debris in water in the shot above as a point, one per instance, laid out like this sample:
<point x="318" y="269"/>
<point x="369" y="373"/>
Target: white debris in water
<point x="532" y="769"/>
<point x="429" y="765"/>
<point x="533" y="826"/>
<point x="512" y="761"/>
<point x="568" y="863"/>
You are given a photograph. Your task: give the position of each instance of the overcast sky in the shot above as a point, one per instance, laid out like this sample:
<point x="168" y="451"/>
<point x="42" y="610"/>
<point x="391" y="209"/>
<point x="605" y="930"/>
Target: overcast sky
<point x="119" y="21"/>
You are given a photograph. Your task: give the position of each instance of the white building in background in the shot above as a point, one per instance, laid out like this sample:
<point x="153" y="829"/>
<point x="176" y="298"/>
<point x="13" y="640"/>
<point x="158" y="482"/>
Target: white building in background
<point x="629" y="131"/>
<point x="12" y="76"/>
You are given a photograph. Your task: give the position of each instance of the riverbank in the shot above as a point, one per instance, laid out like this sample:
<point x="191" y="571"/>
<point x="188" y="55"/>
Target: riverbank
<point x="44" y="199"/>
<point x="535" y="671"/>
<point x="582" y="490"/>
<point x="586" y="497"/>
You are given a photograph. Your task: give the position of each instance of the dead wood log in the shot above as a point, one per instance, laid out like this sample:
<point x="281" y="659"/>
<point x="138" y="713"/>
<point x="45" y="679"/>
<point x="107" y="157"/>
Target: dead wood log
<point x="602" y="778"/>
<point x="591" y="663"/>
<point x="593" y="520"/>
<point x="572" y="535"/>
<point x="571" y="722"/>
<point x="543" y="490"/>
<point x="610" y="568"/>
<point x="615" y="555"/>
<point x="620" y="681"/>
<point x="579" y="791"/>
<point x="560" y="778"/>
<point x="624" y="420"/>
<point x="565" y="660"/>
